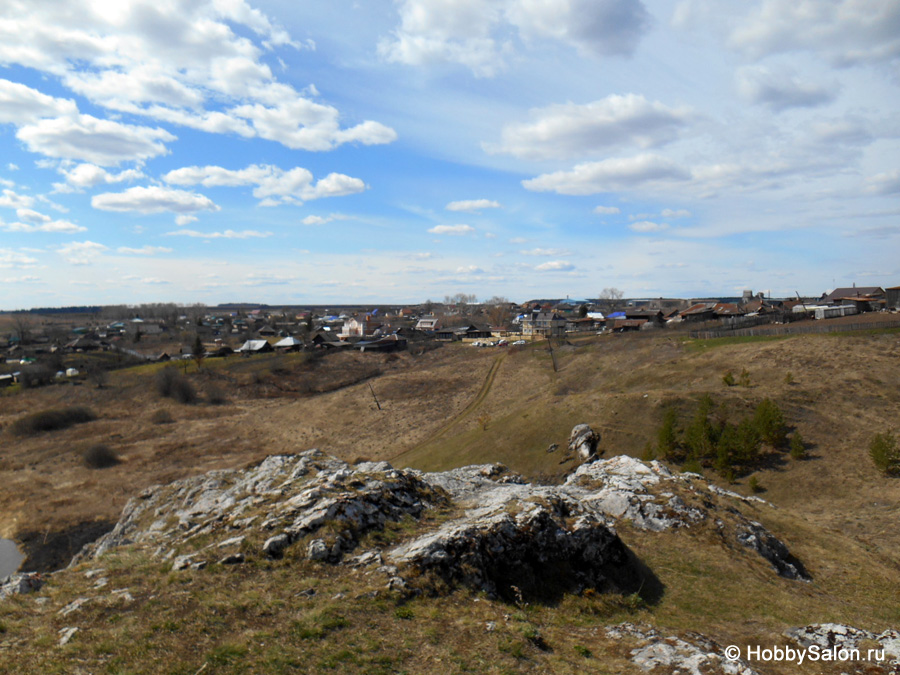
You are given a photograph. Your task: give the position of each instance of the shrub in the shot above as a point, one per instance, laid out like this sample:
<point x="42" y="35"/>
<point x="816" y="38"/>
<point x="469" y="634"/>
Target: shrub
<point x="162" y="416"/>
<point x="581" y="650"/>
<point x="789" y="378"/>
<point x="885" y="454"/>
<point x="754" y="485"/>
<point x="172" y="384"/>
<point x="51" y="420"/>
<point x="99" y="457"/>
<point x="216" y="396"/>
<point x="798" y="447"/>
<point x="744" y="379"/>
<point x="728" y="379"/>
<point x="35" y="376"/>
<point x="404" y="613"/>
<point x="692" y="466"/>
<point x="484" y="420"/>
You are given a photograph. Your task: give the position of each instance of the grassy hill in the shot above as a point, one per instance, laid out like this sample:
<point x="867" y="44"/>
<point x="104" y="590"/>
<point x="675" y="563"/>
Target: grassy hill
<point x="449" y="407"/>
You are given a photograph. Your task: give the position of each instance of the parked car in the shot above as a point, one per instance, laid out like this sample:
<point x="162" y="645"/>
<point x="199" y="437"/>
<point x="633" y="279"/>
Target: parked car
<point x="519" y="342"/>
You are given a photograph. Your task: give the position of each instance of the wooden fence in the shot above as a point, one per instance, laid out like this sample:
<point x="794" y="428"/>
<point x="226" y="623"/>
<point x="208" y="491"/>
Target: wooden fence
<point x="794" y="330"/>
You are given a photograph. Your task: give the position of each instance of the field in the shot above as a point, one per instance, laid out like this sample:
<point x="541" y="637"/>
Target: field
<point x="459" y="405"/>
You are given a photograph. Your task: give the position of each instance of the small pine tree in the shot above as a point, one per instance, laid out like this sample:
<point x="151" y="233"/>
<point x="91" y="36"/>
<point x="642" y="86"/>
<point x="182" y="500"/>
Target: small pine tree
<point x="667" y="436"/>
<point x="744" y="379"/>
<point x="198" y="351"/>
<point x="748" y="443"/>
<point x="727" y="450"/>
<point x="728" y="379"/>
<point x="798" y="447"/>
<point x="769" y="422"/>
<point x="754" y="485"/>
<point x="700" y="437"/>
<point x="885" y="454"/>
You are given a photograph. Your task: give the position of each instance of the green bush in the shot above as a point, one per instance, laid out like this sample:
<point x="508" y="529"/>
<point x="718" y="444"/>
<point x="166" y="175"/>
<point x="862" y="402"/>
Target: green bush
<point x="744" y="379"/>
<point x="885" y="454"/>
<point x="99" y="457"/>
<point x="51" y="420"/>
<point x="798" y="447"/>
<point x="728" y="379"/>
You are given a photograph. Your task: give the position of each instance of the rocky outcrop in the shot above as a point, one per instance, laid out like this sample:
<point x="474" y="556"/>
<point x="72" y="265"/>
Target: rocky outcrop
<point x="694" y="654"/>
<point x="583" y="442"/>
<point x="20" y="583"/>
<point x="478" y="525"/>
<point x="884" y="647"/>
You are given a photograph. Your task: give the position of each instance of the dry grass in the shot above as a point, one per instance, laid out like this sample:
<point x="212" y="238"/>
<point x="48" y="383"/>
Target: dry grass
<point x="836" y="511"/>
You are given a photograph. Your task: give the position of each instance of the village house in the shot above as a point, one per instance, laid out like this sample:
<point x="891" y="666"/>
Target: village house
<point x="545" y="324"/>
<point x="867" y="293"/>
<point x="429" y="322"/>
<point x="892" y="297"/>
<point x="701" y="311"/>
<point x="255" y="347"/>
<point x="368" y="326"/>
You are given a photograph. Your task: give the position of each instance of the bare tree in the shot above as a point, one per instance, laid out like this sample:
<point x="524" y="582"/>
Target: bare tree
<point x="462" y="302"/>
<point x="22" y="324"/>
<point x="609" y="298"/>
<point x="497" y="310"/>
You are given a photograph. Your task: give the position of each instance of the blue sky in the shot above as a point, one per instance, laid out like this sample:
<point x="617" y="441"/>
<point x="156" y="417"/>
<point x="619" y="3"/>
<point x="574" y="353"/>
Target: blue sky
<point x="294" y="152"/>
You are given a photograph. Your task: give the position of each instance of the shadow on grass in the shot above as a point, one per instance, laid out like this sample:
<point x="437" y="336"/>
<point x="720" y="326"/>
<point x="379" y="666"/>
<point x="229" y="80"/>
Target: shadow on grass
<point x="50" y="551"/>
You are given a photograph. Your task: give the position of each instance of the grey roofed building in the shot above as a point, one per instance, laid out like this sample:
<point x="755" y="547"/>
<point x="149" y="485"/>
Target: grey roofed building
<point x="288" y="343"/>
<point x="255" y="347"/>
<point x="853" y="292"/>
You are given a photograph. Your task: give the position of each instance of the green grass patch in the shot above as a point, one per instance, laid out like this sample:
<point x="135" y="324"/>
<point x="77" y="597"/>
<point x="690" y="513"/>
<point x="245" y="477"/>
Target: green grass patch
<point x="696" y="345"/>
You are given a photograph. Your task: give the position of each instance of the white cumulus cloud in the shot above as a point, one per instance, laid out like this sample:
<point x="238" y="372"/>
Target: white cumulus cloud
<point x="452" y="229"/>
<point x="81" y="252"/>
<point x="89" y="175"/>
<point x="483" y="35"/>
<point x="555" y="266"/>
<point x="144" y="250"/>
<point x="609" y="175"/>
<point x="570" y="130"/>
<point x="645" y="226"/>
<point x="272" y="184"/>
<point x="200" y="65"/>
<point x="20" y="104"/>
<point x="472" y="205"/>
<point x="89" y="139"/>
<point x="227" y="234"/>
<point x="153" y="199"/>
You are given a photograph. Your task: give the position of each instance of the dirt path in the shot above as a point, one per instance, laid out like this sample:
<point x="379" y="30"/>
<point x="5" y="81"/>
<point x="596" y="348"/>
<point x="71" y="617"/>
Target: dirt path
<point x="468" y="410"/>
